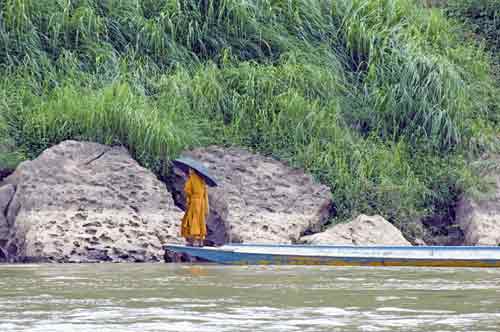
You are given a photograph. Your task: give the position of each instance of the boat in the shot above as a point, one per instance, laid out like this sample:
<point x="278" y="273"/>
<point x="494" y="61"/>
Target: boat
<point x="272" y="254"/>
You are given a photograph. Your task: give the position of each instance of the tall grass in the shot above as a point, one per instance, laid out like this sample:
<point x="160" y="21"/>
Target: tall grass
<point x="483" y="16"/>
<point x="481" y="20"/>
<point x="480" y="24"/>
<point x="368" y="95"/>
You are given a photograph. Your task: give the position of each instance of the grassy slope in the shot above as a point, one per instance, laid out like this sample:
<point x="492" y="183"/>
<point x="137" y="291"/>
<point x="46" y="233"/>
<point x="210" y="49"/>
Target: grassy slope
<point x="482" y="23"/>
<point x="378" y="98"/>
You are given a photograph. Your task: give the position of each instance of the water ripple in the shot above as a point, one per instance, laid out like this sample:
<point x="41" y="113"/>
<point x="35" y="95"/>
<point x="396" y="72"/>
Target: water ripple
<point x="160" y="297"/>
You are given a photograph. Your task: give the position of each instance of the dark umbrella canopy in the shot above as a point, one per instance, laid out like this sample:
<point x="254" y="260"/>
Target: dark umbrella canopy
<point x="187" y="163"/>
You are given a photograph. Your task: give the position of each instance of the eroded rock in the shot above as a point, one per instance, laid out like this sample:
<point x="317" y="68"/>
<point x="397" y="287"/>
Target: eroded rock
<point x="362" y="231"/>
<point x="86" y="202"/>
<point x="258" y="199"/>
<point x="480" y="218"/>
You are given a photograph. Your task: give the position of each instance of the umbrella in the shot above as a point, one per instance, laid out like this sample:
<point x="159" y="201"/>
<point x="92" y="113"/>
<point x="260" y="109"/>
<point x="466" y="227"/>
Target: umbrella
<point x="186" y="163"/>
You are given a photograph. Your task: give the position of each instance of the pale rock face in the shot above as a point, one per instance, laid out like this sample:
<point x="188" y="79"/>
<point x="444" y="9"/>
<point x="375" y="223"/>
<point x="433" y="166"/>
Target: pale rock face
<point x="362" y="231"/>
<point x="259" y="199"/>
<point x="85" y="202"/>
<point x="480" y="219"/>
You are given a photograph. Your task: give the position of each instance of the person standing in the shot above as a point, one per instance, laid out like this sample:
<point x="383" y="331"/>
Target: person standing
<point x="193" y="227"/>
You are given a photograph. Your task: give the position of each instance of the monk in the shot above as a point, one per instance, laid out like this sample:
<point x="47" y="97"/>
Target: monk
<point x="193" y="227"/>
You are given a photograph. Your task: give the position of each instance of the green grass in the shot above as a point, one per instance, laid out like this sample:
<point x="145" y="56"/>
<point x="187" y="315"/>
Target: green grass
<point x="483" y="16"/>
<point x="482" y="24"/>
<point x="380" y="99"/>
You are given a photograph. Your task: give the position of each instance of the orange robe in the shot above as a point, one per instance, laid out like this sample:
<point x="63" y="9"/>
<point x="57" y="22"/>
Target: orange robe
<point x="193" y="223"/>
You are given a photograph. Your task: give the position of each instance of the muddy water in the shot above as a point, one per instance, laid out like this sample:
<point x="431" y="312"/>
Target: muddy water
<point x="169" y="297"/>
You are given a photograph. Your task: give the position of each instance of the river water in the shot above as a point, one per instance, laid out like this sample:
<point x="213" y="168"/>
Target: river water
<point x="171" y="297"/>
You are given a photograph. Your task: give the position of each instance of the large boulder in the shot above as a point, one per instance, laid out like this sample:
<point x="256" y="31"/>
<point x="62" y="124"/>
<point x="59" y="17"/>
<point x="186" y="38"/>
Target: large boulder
<point x="86" y="202"/>
<point x="258" y="199"/>
<point x="480" y="218"/>
<point x="362" y="231"/>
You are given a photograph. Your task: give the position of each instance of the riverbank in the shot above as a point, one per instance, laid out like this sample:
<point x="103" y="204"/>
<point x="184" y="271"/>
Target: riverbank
<point x="88" y="202"/>
<point x="384" y="102"/>
<point x="85" y="202"/>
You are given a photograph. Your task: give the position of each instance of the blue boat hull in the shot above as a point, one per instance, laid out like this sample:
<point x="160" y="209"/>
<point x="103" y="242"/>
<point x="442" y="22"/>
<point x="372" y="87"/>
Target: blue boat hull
<point x="249" y="258"/>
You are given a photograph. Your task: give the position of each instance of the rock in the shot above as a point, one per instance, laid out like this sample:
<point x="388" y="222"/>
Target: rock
<point x="86" y="202"/>
<point x="4" y="172"/>
<point x="6" y="194"/>
<point x="258" y="199"/>
<point x="480" y="218"/>
<point x="362" y="231"/>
